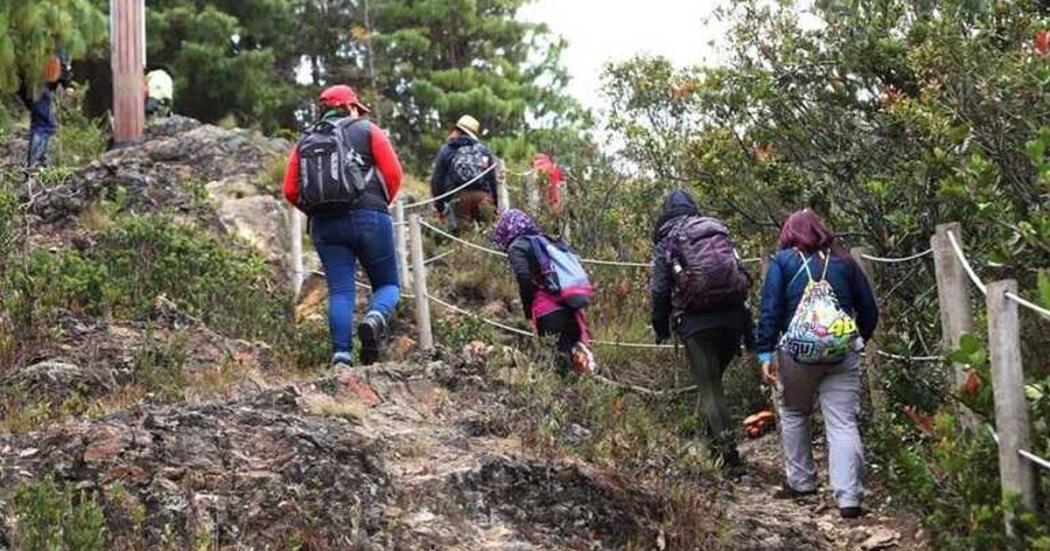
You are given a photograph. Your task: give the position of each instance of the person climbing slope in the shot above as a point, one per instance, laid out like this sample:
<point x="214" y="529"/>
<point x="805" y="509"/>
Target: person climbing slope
<point x="553" y="286"/>
<point x="699" y="289"/>
<point x="344" y="174"/>
<point x="461" y="160"/>
<point x="817" y="310"/>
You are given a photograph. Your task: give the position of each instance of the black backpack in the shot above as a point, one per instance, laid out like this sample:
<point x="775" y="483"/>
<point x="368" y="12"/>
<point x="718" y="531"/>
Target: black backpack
<point x="468" y="163"/>
<point x="330" y="170"/>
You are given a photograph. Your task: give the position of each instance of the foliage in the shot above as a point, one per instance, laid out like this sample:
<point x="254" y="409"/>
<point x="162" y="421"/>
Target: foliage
<point x="888" y="118"/>
<point x="138" y="260"/>
<point x="80" y="139"/>
<point x="227" y="57"/>
<point x="51" y="515"/>
<point x="159" y="368"/>
<point x="439" y="59"/>
<point x="34" y="31"/>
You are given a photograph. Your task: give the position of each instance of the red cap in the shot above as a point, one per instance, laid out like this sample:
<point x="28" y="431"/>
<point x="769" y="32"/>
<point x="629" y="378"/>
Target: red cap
<point x="341" y="96"/>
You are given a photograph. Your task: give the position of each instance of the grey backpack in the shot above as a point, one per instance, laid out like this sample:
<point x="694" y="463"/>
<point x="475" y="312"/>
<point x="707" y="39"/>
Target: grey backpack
<point x="468" y="163"/>
<point x="330" y="170"/>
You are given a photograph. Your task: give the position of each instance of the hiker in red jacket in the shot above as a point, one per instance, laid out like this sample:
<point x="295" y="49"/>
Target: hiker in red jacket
<point x="344" y="174"/>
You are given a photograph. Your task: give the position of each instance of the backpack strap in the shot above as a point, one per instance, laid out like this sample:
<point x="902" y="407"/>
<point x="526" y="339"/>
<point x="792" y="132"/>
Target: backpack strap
<point x="805" y="264"/>
<point x="827" y="262"/>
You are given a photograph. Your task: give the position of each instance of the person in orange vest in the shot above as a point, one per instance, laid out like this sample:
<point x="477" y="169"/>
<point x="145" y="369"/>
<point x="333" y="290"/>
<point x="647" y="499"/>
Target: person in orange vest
<point x="42" y="121"/>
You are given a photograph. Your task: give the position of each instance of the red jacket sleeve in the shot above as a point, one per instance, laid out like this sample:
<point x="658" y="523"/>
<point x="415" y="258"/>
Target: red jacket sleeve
<point x="386" y="162"/>
<point x="291" y="177"/>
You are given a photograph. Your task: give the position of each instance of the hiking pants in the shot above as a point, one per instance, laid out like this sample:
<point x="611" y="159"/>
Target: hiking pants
<point x="342" y="240"/>
<point x="39" y="145"/>
<point x="709" y="354"/>
<point x="838" y="388"/>
<point x="471" y="206"/>
<point x="562" y="323"/>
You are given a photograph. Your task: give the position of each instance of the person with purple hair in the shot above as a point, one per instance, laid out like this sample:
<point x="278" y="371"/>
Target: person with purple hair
<point x="808" y="248"/>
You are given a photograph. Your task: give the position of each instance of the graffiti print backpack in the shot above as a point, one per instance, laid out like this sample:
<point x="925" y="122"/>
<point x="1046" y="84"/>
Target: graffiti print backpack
<point x="820" y="331"/>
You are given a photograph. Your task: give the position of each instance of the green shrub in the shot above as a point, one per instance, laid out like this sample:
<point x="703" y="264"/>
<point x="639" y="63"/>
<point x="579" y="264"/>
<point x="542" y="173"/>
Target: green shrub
<point x="51" y="516"/>
<point x="139" y="259"/>
<point x="160" y="368"/>
<point x="80" y="139"/>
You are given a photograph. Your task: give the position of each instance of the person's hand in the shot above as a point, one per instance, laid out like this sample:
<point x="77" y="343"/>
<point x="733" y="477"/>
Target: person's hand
<point x="769" y="372"/>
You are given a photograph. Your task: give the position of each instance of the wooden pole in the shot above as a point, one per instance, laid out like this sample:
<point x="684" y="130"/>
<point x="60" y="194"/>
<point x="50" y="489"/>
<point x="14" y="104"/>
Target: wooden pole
<point x="128" y="61"/>
<point x="419" y="280"/>
<point x="1017" y="476"/>
<point x="532" y="192"/>
<point x="872" y="361"/>
<point x="401" y="240"/>
<point x="502" y="194"/>
<point x="295" y="235"/>
<point x="953" y="296"/>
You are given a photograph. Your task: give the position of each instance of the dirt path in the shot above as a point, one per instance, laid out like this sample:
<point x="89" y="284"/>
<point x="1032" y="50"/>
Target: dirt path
<point x="812" y="522"/>
<point x="463" y="482"/>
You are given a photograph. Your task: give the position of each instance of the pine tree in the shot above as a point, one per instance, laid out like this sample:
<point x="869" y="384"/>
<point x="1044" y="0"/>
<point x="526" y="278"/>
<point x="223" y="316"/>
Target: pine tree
<point x="34" y="31"/>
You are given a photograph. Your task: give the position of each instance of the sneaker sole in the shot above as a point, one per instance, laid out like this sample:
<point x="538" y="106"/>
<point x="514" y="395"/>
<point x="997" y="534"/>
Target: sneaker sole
<point x="369" y="344"/>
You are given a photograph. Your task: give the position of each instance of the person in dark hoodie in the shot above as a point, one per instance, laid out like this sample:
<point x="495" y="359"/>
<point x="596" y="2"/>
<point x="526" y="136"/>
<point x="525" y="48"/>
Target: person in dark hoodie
<point x="699" y="290"/>
<point x="462" y="160"/>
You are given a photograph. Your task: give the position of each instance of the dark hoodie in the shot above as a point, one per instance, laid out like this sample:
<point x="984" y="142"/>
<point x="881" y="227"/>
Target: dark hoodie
<point x="441" y="180"/>
<point x="734" y="319"/>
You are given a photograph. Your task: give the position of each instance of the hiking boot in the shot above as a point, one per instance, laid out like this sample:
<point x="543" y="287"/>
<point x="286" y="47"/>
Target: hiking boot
<point x="342" y="360"/>
<point x="371" y="332"/>
<point x="850" y="512"/>
<point x="787" y="492"/>
<point x="732" y="465"/>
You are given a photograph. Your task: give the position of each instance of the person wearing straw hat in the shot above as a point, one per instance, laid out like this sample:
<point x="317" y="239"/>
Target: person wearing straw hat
<point x="464" y="162"/>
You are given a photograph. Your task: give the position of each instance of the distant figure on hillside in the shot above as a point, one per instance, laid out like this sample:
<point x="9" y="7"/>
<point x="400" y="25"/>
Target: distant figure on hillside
<point x="817" y="311"/>
<point x="160" y="93"/>
<point x="699" y="289"/>
<point x="462" y="160"/>
<point x="553" y="286"/>
<point x="344" y="174"/>
<point x="43" y="124"/>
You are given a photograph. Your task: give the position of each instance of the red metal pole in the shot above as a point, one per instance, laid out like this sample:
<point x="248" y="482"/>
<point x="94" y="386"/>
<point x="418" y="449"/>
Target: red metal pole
<point x="127" y="36"/>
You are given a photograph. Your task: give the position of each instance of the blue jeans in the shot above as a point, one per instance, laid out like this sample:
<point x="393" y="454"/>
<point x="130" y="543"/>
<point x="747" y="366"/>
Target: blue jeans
<point x="343" y="239"/>
<point x="39" y="144"/>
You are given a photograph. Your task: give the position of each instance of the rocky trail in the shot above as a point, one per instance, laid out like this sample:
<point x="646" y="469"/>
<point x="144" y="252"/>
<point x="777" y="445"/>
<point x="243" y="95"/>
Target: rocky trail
<point x="415" y="453"/>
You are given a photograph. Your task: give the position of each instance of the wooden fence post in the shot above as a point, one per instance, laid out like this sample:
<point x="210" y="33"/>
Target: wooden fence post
<point x="295" y="236"/>
<point x="419" y="281"/>
<point x="1016" y="474"/>
<point x="502" y="194"/>
<point x="872" y="361"/>
<point x="532" y="192"/>
<point x="953" y="296"/>
<point x="401" y="242"/>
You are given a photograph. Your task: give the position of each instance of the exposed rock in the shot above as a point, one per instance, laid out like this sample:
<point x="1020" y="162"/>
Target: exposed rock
<point x="266" y="472"/>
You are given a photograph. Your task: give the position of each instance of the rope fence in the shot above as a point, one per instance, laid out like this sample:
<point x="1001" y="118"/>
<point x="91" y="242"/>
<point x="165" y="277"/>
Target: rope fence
<point x="954" y="273"/>
<point x="452" y="192"/>
<point x="882" y="260"/>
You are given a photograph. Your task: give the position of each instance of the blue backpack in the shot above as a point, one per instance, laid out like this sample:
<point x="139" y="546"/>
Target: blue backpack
<point x="561" y="272"/>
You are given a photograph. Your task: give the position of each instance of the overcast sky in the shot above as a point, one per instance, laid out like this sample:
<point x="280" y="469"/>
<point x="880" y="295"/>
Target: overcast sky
<point x="600" y="31"/>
